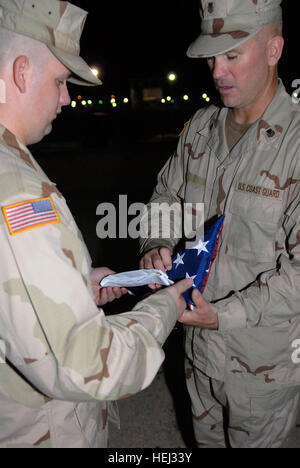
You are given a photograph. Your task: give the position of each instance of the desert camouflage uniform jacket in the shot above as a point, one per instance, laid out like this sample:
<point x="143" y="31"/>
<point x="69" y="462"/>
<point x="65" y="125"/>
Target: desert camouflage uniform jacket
<point x="65" y="361"/>
<point x="255" y="280"/>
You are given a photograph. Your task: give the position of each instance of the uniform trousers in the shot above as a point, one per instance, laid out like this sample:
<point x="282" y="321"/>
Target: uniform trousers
<point x="227" y="415"/>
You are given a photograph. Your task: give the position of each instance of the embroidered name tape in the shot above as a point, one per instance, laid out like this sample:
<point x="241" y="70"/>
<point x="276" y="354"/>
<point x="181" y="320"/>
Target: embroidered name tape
<point x="30" y="214"/>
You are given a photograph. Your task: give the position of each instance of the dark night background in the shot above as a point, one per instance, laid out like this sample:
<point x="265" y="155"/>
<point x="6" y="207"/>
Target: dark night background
<point x="129" y="40"/>
<point x="97" y="152"/>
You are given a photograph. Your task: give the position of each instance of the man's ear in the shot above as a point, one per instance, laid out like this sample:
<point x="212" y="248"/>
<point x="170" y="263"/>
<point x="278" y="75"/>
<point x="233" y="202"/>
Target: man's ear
<point x="21" y="73"/>
<point x="275" y="48"/>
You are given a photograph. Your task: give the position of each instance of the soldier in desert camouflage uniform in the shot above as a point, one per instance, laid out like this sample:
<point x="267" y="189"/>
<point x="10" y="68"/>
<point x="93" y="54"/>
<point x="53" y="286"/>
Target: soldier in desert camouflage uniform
<point x="242" y="160"/>
<point x="64" y="362"/>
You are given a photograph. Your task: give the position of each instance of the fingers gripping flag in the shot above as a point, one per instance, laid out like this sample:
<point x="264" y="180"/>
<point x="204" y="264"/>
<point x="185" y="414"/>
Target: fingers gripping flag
<point x="193" y="263"/>
<point x="196" y="263"/>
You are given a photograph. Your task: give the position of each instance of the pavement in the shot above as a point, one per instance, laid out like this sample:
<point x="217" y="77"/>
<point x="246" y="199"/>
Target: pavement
<point x="158" y="417"/>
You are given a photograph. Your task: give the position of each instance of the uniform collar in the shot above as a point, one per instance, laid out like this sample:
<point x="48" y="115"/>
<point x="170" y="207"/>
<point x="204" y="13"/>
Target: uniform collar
<point x="266" y="131"/>
<point x="19" y="150"/>
<point x="275" y="120"/>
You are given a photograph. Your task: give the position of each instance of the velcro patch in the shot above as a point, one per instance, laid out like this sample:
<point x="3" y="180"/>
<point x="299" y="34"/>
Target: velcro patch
<point x="30" y="214"/>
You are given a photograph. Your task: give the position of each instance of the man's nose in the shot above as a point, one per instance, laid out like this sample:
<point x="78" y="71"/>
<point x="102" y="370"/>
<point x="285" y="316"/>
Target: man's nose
<point x="219" y="69"/>
<point x="65" y="99"/>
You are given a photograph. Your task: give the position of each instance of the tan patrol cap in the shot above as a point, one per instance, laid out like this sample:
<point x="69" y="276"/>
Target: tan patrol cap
<point x="57" y="24"/>
<point x="228" y="23"/>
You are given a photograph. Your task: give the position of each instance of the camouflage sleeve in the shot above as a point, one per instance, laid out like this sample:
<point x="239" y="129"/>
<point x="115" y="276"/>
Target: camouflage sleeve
<point x="274" y="298"/>
<point x="55" y="335"/>
<point x="168" y="191"/>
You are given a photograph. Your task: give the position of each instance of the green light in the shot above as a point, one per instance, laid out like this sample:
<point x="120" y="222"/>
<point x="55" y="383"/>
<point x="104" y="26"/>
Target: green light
<point x="100" y="101"/>
<point x="172" y="101"/>
<point x="90" y="102"/>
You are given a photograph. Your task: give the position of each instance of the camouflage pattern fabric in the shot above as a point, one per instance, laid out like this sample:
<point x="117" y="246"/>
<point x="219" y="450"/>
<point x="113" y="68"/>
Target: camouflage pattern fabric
<point x="255" y="421"/>
<point x="57" y="24"/>
<point x="254" y="281"/>
<point x="65" y="361"/>
<point x="225" y="24"/>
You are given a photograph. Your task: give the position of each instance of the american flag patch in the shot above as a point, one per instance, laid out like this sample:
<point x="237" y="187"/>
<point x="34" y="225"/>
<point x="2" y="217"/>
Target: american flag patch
<point x="30" y="214"/>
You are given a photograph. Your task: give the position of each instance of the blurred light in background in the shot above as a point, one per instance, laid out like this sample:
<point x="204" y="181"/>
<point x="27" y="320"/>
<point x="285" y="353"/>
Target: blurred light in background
<point x="172" y="76"/>
<point x="95" y="71"/>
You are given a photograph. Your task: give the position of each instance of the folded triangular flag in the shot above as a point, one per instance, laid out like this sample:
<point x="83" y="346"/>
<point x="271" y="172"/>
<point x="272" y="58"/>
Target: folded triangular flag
<point x="196" y="262"/>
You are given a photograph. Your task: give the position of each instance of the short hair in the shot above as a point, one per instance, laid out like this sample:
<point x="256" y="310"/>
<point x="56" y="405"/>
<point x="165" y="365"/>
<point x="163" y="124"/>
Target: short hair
<point x="268" y="32"/>
<point x="13" y="45"/>
<point x="278" y="29"/>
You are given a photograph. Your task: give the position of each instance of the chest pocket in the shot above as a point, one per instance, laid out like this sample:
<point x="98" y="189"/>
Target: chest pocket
<point x="254" y="223"/>
<point x="195" y="188"/>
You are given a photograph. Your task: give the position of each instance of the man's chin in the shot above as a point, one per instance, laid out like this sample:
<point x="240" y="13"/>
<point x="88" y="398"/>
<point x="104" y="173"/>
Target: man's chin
<point x="48" y="129"/>
<point x="228" y="102"/>
<point x="37" y="138"/>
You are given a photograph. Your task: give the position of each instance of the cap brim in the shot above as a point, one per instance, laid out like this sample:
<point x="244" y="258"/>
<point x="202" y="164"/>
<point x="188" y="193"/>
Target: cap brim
<point x="209" y="45"/>
<point x="82" y="73"/>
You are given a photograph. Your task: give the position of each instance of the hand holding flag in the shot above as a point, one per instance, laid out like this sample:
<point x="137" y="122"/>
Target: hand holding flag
<point x="203" y="314"/>
<point x="196" y="262"/>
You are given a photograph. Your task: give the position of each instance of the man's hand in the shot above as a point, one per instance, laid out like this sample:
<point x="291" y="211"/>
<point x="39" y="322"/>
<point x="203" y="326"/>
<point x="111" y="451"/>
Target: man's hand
<point x="160" y="259"/>
<point x="204" y="314"/>
<point x="176" y="290"/>
<point x="104" y="295"/>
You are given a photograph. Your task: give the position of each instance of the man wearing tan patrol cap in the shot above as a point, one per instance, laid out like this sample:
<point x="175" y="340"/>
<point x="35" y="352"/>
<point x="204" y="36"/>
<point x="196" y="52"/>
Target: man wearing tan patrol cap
<point x="62" y="362"/>
<point x="241" y="160"/>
